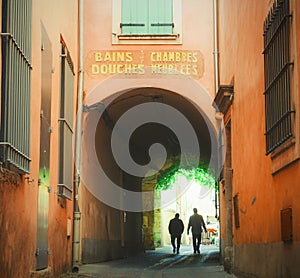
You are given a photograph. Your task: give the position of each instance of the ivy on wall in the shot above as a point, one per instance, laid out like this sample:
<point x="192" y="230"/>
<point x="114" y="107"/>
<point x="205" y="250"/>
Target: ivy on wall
<point x="200" y="175"/>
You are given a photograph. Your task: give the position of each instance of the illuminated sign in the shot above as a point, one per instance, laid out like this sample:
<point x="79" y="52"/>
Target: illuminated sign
<point x="103" y="63"/>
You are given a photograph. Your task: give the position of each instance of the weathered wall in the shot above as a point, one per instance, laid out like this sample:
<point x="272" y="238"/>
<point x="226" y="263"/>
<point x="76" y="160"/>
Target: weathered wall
<point x="18" y="222"/>
<point x="101" y="232"/>
<point x="18" y="205"/>
<point x="261" y="195"/>
<point x="63" y="24"/>
<point x="108" y="233"/>
<point x="98" y="37"/>
<point x="98" y="28"/>
<point x="274" y="259"/>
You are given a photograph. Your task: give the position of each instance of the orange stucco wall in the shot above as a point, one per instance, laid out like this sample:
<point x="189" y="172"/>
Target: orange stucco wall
<point x="18" y="206"/>
<point x="264" y="187"/>
<point x="197" y="28"/>
<point x="245" y="65"/>
<point x="98" y="28"/>
<point x="263" y="192"/>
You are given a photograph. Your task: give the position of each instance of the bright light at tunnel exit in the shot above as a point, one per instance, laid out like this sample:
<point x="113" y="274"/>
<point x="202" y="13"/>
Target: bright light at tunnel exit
<point x="198" y="175"/>
<point x="187" y="194"/>
<point x="187" y="188"/>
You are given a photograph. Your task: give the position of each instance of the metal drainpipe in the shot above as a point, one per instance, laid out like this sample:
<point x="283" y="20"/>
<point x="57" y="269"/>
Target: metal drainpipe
<point x="76" y="213"/>
<point x="216" y="51"/>
<point x="216" y="63"/>
<point x="216" y="79"/>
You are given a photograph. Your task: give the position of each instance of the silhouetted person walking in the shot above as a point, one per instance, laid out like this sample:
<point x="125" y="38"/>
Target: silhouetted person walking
<point x="176" y="228"/>
<point x="196" y="222"/>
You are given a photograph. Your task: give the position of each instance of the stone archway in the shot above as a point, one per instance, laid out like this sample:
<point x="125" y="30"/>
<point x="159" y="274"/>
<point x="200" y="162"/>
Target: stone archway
<point x="112" y="98"/>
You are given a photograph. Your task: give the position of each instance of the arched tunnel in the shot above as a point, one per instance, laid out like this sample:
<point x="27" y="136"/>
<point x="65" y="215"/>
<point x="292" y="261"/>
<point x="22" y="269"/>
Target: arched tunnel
<point x="115" y="202"/>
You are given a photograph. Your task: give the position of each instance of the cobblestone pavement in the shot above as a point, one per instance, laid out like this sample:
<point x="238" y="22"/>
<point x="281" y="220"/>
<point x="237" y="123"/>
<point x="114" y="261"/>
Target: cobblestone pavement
<point x="159" y="263"/>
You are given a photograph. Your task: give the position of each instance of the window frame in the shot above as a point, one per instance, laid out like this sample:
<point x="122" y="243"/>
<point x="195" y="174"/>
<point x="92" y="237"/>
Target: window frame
<point x="119" y="38"/>
<point x="65" y="125"/>
<point x="277" y="72"/>
<point x="16" y="85"/>
<point x="287" y="151"/>
<point x="152" y="17"/>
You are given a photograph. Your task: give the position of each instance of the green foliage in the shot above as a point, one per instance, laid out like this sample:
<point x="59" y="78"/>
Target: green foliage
<point x="200" y="175"/>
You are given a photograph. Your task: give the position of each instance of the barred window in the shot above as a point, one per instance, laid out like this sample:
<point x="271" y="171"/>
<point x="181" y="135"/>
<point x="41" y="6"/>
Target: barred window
<point x="16" y="85"/>
<point x="66" y="124"/>
<point x="277" y="69"/>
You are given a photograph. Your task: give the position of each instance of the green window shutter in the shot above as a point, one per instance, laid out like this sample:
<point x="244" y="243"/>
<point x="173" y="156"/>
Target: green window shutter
<point x="161" y="16"/>
<point x="134" y="17"/>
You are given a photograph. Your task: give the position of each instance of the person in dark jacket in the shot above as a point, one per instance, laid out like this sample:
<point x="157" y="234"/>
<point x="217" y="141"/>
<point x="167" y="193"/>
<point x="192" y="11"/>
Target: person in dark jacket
<point x="196" y="222"/>
<point x="176" y="228"/>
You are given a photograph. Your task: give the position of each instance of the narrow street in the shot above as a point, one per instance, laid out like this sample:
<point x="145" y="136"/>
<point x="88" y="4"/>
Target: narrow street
<point x="159" y="263"/>
<point x="125" y="124"/>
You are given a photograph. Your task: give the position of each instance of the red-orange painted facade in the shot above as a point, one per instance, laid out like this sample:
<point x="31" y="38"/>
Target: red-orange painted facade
<point x="102" y="47"/>
<point x="19" y="201"/>
<point x="264" y="184"/>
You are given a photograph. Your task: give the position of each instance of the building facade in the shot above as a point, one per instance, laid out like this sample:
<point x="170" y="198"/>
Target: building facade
<point x="38" y="89"/>
<point x="259" y="96"/>
<point x="139" y="53"/>
<point x="228" y="69"/>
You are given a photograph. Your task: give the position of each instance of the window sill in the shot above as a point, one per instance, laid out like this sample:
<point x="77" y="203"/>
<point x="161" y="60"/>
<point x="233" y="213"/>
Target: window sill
<point x="146" y="39"/>
<point x="284" y="155"/>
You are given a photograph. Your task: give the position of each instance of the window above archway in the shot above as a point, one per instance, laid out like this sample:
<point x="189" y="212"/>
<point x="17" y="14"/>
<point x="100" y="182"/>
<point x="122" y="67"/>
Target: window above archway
<point x="147" y="17"/>
<point x="146" y="22"/>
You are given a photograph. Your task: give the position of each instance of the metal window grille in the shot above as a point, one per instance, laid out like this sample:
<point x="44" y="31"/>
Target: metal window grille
<point x="66" y="124"/>
<point x="16" y="85"/>
<point x="277" y="75"/>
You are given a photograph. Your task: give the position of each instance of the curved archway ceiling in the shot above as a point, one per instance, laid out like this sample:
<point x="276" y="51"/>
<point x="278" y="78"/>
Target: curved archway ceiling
<point x="147" y="134"/>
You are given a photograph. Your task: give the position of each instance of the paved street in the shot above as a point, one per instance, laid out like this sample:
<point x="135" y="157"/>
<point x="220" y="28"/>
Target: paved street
<point x="160" y="263"/>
